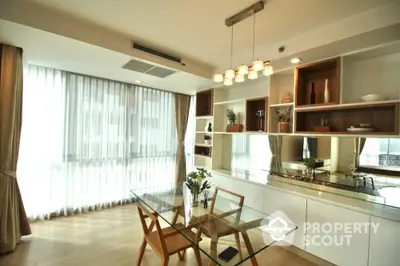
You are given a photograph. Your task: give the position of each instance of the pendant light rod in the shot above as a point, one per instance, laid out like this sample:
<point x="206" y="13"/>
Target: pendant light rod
<point x="254" y="37"/>
<point x="245" y="13"/>
<point x="231" y="46"/>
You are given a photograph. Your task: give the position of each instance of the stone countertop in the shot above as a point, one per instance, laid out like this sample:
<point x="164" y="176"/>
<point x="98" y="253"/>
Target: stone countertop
<point x="372" y="205"/>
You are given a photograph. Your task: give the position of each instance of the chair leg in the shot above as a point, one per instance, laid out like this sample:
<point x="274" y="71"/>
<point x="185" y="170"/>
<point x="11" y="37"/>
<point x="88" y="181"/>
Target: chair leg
<point x="213" y="250"/>
<point x="197" y="254"/>
<point x="165" y="261"/>
<point x="141" y="251"/>
<point x="180" y="255"/>
<point x="237" y="238"/>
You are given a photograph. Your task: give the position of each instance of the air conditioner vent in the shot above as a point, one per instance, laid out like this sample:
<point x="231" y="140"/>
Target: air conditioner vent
<point x="157" y="53"/>
<point x="146" y="68"/>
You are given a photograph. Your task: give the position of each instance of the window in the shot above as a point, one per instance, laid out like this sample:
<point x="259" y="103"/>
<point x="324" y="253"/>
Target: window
<point x="88" y="141"/>
<point x="381" y="153"/>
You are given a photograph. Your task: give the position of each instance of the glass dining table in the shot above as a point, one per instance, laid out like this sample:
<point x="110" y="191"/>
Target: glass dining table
<point x="223" y="223"/>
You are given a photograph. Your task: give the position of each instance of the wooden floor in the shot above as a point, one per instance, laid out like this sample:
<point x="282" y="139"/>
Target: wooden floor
<point x="113" y="237"/>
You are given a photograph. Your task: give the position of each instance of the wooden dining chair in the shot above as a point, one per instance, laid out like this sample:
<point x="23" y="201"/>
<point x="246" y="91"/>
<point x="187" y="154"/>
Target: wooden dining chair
<point x="217" y="228"/>
<point x="167" y="241"/>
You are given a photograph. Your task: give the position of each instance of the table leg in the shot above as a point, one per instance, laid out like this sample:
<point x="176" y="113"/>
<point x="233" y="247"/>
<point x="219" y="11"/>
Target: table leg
<point x="249" y="249"/>
<point x="213" y="250"/>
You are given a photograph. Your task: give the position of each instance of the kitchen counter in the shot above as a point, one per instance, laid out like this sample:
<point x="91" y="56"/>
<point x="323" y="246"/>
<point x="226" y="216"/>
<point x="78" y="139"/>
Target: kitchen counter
<point x="387" y="206"/>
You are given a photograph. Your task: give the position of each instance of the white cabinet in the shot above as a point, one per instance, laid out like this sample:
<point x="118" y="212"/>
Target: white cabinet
<point x="343" y="247"/>
<point x="252" y="193"/>
<point x="384" y="243"/>
<point x="294" y="207"/>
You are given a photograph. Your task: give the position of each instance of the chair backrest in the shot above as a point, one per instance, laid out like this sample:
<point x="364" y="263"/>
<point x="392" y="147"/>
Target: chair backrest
<point x="144" y="213"/>
<point x="236" y="210"/>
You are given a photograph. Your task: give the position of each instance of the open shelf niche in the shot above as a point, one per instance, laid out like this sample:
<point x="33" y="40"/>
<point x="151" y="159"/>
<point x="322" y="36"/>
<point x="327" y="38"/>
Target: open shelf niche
<point x="255" y="108"/>
<point x="383" y="117"/>
<point x="204" y="103"/>
<point x="317" y="73"/>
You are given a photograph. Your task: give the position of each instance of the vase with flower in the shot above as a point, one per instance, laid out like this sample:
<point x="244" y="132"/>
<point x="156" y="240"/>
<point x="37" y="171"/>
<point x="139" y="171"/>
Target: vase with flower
<point x="283" y="118"/>
<point x="198" y="181"/>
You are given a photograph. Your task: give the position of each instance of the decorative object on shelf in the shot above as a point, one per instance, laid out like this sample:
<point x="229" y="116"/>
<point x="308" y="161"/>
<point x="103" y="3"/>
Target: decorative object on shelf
<point x="312" y="95"/>
<point x="326" y="92"/>
<point x="260" y="114"/>
<point x="372" y="98"/>
<point x="258" y="65"/>
<point x="287" y="97"/>
<point x="311" y="164"/>
<point x="197" y="182"/>
<point x="209" y="129"/>
<point x="233" y="118"/>
<point x="363" y="127"/>
<point x="205" y="200"/>
<point x="207" y="139"/>
<point x="283" y="118"/>
<point x="322" y="129"/>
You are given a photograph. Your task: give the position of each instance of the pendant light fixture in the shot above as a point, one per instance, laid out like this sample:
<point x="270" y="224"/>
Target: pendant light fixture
<point x="258" y="65"/>
<point x="268" y="70"/>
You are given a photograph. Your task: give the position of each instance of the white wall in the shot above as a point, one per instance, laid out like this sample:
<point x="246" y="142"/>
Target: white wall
<point x="372" y="75"/>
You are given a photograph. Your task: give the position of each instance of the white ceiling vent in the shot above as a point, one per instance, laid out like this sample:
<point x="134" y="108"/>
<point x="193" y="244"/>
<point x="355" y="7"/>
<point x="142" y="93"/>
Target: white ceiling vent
<point x="146" y="68"/>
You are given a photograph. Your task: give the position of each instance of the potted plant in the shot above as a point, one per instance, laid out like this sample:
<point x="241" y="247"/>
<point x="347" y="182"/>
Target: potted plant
<point x="207" y="139"/>
<point x="283" y="119"/>
<point x="310" y="163"/>
<point x="197" y="182"/>
<point x="232" y="116"/>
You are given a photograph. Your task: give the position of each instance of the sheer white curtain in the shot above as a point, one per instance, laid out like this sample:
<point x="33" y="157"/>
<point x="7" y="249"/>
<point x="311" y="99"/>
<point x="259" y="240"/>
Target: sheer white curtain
<point x="87" y="141"/>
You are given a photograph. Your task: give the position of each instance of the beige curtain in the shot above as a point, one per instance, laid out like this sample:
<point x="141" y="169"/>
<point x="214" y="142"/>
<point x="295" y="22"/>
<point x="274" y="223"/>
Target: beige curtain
<point x="13" y="220"/>
<point x="182" y="106"/>
<point x="275" y="145"/>
<point x="359" y="144"/>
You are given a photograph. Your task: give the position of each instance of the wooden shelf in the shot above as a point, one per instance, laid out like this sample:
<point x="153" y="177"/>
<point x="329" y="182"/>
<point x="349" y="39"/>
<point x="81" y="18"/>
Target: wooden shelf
<point x="203" y="145"/>
<point x="253" y="123"/>
<point x="317" y="73"/>
<point x="322" y="107"/>
<point x="204" y="132"/>
<point x="202" y="156"/>
<point x="281" y="105"/>
<point x="204" y="103"/>
<point x="230" y="102"/>
<point x="204" y="117"/>
<point x="382" y="116"/>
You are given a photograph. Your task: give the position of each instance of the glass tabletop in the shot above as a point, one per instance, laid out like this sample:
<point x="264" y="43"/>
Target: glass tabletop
<point x="225" y="222"/>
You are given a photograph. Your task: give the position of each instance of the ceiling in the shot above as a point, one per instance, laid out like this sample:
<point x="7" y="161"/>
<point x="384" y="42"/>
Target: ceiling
<point x="196" y="29"/>
<point x="55" y="51"/>
<point x="94" y="37"/>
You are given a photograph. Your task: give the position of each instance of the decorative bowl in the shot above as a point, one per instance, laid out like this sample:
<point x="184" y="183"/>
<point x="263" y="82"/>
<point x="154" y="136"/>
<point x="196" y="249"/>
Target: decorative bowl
<point x="372" y="98"/>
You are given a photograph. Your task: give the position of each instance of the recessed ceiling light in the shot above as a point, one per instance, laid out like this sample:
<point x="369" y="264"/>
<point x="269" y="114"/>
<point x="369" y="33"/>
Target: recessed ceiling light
<point x="295" y="60"/>
<point x="138" y="81"/>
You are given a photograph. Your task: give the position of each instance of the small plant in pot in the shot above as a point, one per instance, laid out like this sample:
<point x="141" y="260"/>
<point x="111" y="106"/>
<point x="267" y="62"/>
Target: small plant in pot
<point x="283" y="119"/>
<point x="232" y="116"/>
<point x="310" y="163"/>
<point x="197" y="182"/>
<point x="207" y="139"/>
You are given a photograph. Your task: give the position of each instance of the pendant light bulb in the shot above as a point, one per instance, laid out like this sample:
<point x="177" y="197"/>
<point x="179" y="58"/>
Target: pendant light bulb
<point x="268" y="69"/>
<point x="243" y="70"/>
<point x="230" y="73"/>
<point x="218" y="78"/>
<point x="252" y="74"/>
<point x="228" y="82"/>
<point x="258" y="65"/>
<point x="239" y="78"/>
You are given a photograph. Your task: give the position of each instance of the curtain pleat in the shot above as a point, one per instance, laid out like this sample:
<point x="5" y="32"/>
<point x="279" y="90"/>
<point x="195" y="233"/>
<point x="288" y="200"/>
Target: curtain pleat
<point x="93" y="140"/>
<point x="13" y="219"/>
<point x="182" y="107"/>
<point x="275" y="144"/>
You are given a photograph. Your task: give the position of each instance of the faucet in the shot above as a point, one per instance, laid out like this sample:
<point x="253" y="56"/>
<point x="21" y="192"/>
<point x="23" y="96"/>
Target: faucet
<point x="372" y="181"/>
